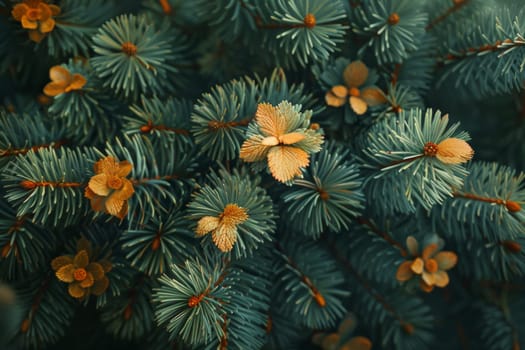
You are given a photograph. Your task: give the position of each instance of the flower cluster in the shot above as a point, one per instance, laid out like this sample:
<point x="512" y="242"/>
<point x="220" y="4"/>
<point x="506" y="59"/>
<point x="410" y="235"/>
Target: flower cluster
<point x="62" y="81"/>
<point x="223" y="227"/>
<point x="431" y="265"/>
<point x="282" y="135"/>
<point x="37" y="16"/>
<point x="109" y="189"/>
<point x="84" y="277"/>
<point x="360" y="98"/>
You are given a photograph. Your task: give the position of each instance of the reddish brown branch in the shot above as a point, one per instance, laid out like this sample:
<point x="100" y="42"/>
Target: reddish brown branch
<point x="16" y="151"/>
<point x="458" y="4"/>
<point x="317" y="296"/>
<point x="511" y="206"/>
<point x="382" y="234"/>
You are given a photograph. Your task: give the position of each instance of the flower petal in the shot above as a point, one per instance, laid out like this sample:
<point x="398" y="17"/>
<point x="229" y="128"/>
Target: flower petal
<point x="124" y="169"/>
<point x="412" y="245"/>
<point x="123" y="211"/>
<point x="114" y="204"/>
<point x="36" y="36"/>
<point x="291" y="138"/>
<point x="54" y="89"/>
<point x="425" y="287"/>
<point x="270" y="122"/>
<point x="429" y="278"/>
<point x="454" y="151"/>
<point x="47" y="25"/>
<point x="45" y="11"/>
<point x="285" y="162"/>
<point x="28" y="24"/>
<point x="270" y="141"/>
<point x="61" y="261"/>
<point x="19" y="10"/>
<point x="107" y="165"/>
<point x="357" y="343"/>
<point x="334" y="101"/>
<point x="126" y="191"/>
<point x="97" y="203"/>
<point x="60" y="74"/>
<point x="355" y="74"/>
<point x="358" y="105"/>
<point x="404" y="271"/>
<point x="76" y="291"/>
<point x="55" y="10"/>
<point x="429" y="251"/>
<point x="446" y="260"/>
<point x="77" y="82"/>
<point x="99" y="184"/>
<point x="65" y="273"/>
<point x="441" y="279"/>
<point x="88" y="281"/>
<point x="330" y="341"/>
<point x="373" y="96"/>
<point x="100" y="286"/>
<point x="417" y="266"/>
<point x="253" y="150"/>
<point x="106" y="265"/>
<point x="96" y="270"/>
<point x="206" y="225"/>
<point x="340" y="91"/>
<point x="225" y="236"/>
<point x="81" y="260"/>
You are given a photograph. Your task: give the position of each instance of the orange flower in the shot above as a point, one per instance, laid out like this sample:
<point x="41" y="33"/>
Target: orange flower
<point x="450" y="151"/>
<point x="355" y="75"/>
<point x="339" y="340"/>
<point x="223" y="227"/>
<point x="62" y="81"/>
<point x="109" y="189"/>
<point x="37" y="16"/>
<point x="282" y="139"/>
<point x="431" y="265"/>
<point x="83" y="277"/>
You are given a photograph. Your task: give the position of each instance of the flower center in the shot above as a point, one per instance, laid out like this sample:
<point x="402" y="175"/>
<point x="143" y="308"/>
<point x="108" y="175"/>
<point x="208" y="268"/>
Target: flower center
<point x="115" y="182"/>
<point x="80" y="274"/>
<point x="309" y="21"/>
<point x="129" y="48"/>
<point x="430" y="149"/>
<point x="431" y="265"/>
<point x="33" y="14"/>
<point x="354" y="92"/>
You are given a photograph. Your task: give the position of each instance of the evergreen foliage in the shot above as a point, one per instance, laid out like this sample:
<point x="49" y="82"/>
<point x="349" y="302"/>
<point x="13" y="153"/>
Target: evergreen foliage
<point x="278" y="174"/>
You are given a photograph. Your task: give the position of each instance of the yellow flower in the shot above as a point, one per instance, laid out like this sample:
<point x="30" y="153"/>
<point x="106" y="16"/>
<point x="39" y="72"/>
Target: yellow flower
<point x="337" y="340"/>
<point x="223" y="227"/>
<point x="83" y="277"/>
<point x="431" y="265"/>
<point x="355" y="75"/>
<point x="62" y="81"/>
<point x="450" y="151"/>
<point x="109" y="189"/>
<point x="281" y="141"/>
<point x="37" y="16"/>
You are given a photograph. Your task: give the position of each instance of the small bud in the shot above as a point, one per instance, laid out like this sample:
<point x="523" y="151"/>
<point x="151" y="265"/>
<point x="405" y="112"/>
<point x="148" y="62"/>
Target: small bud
<point x="393" y="19"/>
<point x="128" y="312"/>
<point x="408" y="328"/>
<point x="155" y="245"/>
<point x="24" y="327"/>
<point x="309" y="21"/>
<point x="319" y="299"/>
<point x="513" y="206"/>
<point x="27" y="184"/>
<point x="512" y="246"/>
<point x="6" y="249"/>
